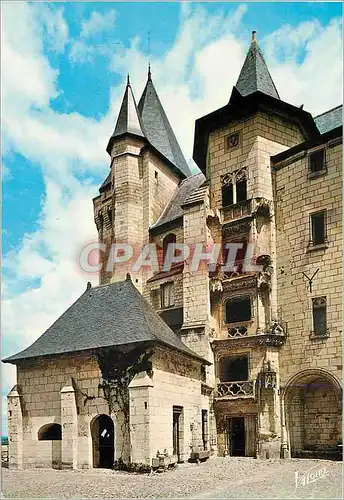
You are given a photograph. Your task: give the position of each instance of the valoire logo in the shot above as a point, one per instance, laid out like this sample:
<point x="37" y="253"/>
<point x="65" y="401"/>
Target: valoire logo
<point x="312" y="475"/>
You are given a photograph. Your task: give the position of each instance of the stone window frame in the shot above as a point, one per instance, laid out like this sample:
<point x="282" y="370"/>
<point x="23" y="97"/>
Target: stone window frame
<point x="319" y="246"/>
<point x="323" y="171"/>
<point x="234" y="354"/>
<point x="163" y="286"/>
<point x="322" y="303"/>
<point x="232" y="178"/>
<point x="235" y="295"/>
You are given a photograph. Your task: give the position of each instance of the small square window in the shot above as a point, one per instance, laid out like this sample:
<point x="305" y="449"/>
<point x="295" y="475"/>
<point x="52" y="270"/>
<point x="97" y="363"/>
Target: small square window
<point x="317" y="161"/>
<point x="167" y="299"/>
<point x="319" y="317"/>
<point x="318" y="228"/>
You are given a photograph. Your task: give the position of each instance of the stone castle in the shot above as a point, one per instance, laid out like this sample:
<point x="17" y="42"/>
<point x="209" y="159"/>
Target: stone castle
<point x="157" y="367"/>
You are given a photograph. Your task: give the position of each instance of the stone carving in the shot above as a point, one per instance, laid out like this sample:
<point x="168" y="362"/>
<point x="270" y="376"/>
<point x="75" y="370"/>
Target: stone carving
<point x="262" y="207"/>
<point x="235" y="389"/>
<point x="241" y="175"/>
<point x="242" y="283"/>
<point x="242" y="227"/>
<point x="276" y="328"/>
<point x="227" y="179"/>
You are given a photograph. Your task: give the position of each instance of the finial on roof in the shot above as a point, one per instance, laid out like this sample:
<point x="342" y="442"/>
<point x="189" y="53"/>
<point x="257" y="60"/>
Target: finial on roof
<point x="128" y="277"/>
<point x="128" y="79"/>
<point x="254" y="36"/>
<point x="89" y="285"/>
<point x="149" y="72"/>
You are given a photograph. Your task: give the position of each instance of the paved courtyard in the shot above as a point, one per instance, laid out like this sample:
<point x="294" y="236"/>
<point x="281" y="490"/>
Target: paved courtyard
<point x="231" y="478"/>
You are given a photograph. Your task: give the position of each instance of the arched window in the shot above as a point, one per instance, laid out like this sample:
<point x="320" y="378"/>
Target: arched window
<point x="169" y="239"/>
<point x="238" y="309"/>
<point x="50" y="432"/>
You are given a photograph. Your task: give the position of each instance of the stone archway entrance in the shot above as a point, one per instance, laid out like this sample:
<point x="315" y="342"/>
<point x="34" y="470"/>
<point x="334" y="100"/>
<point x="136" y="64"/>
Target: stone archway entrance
<point x="313" y="414"/>
<point x="103" y="433"/>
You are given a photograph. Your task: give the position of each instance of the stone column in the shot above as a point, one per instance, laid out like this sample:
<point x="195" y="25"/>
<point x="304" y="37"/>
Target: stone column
<point x="15" y="429"/>
<point x="69" y="424"/>
<point x="140" y="413"/>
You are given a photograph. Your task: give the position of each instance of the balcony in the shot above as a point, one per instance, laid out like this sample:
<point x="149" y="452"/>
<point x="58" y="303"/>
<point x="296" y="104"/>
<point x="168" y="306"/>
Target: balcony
<point x="246" y="334"/>
<point x="237" y="211"/>
<point x="235" y="390"/>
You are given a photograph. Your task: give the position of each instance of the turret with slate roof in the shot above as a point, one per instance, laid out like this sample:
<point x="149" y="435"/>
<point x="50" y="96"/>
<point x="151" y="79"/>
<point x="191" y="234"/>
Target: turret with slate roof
<point x="254" y="74"/>
<point x="158" y="129"/>
<point x="129" y="120"/>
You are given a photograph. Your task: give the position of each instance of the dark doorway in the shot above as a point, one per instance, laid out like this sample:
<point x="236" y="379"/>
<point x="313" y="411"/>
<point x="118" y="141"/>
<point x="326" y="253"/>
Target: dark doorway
<point x="102" y="430"/>
<point x="177" y="417"/>
<point x="237" y="436"/>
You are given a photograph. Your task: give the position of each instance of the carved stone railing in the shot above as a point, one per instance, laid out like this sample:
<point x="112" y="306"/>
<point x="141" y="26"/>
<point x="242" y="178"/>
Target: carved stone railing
<point x="237" y="211"/>
<point x="240" y="330"/>
<point x="235" y="389"/>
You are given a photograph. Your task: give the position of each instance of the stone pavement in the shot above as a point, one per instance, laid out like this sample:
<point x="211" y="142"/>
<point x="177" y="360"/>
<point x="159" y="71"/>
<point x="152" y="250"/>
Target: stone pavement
<point x="231" y="478"/>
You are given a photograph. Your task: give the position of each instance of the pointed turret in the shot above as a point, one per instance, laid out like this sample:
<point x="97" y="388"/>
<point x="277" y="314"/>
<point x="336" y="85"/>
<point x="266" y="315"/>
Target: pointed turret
<point x="129" y="120"/>
<point x="158" y="129"/>
<point x="254" y="74"/>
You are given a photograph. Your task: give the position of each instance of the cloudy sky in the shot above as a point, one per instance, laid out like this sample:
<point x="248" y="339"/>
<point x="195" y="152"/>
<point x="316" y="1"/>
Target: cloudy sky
<point x="64" y="67"/>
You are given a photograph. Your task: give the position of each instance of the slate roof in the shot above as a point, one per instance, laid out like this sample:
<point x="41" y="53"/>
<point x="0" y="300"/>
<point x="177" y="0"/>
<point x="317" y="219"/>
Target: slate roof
<point x="158" y="129"/>
<point x="106" y="183"/>
<point x="329" y="120"/>
<point x="254" y="74"/>
<point x="109" y="315"/>
<point x="129" y="120"/>
<point x="174" y="208"/>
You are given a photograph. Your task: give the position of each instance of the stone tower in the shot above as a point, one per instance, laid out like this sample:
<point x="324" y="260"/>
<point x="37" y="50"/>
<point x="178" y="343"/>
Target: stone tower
<point x="146" y="166"/>
<point x="233" y="146"/>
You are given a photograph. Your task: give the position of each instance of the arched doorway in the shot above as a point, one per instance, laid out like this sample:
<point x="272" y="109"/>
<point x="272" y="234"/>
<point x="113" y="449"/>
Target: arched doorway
<point x="50" y="451"/>
<point x="313" y="414"/>
<point x="102" y="432"/>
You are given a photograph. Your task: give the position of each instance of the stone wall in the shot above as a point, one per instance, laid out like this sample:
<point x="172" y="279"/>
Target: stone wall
<point x="176" y="381"/>
<point x="42" y="386"/>
<point x="297" y="197"/>
<point x="260" y="137"/>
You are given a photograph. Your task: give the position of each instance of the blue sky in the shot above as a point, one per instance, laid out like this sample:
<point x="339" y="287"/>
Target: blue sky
<point x="64" y="68"/>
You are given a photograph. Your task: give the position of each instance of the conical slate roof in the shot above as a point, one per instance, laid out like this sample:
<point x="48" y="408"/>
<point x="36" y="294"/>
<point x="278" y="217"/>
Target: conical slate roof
<point x="129" y="120"/>
<point x="254" y="75"/>
<point x="158" y="129"/>
<point x="108" y="315"/>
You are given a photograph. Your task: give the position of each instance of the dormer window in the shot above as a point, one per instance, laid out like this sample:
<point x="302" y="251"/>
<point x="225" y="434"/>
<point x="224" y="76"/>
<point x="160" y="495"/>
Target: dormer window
<point x="166" y="295"/>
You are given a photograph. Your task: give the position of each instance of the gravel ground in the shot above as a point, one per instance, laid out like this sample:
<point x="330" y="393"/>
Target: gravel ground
<point x="230" y="478"/>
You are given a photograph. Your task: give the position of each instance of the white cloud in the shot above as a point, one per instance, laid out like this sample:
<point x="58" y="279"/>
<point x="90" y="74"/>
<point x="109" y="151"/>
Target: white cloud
<point x="299" y="58"/>
<point x="5" y="173"/>
<point x="55" y="28"/>
<point x="98" y="23"/>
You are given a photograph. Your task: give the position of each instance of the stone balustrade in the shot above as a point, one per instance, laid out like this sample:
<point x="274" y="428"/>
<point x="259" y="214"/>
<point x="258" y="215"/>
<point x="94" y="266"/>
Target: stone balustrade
<point x="240" y="389"/>
<point x="237" y="210"/>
